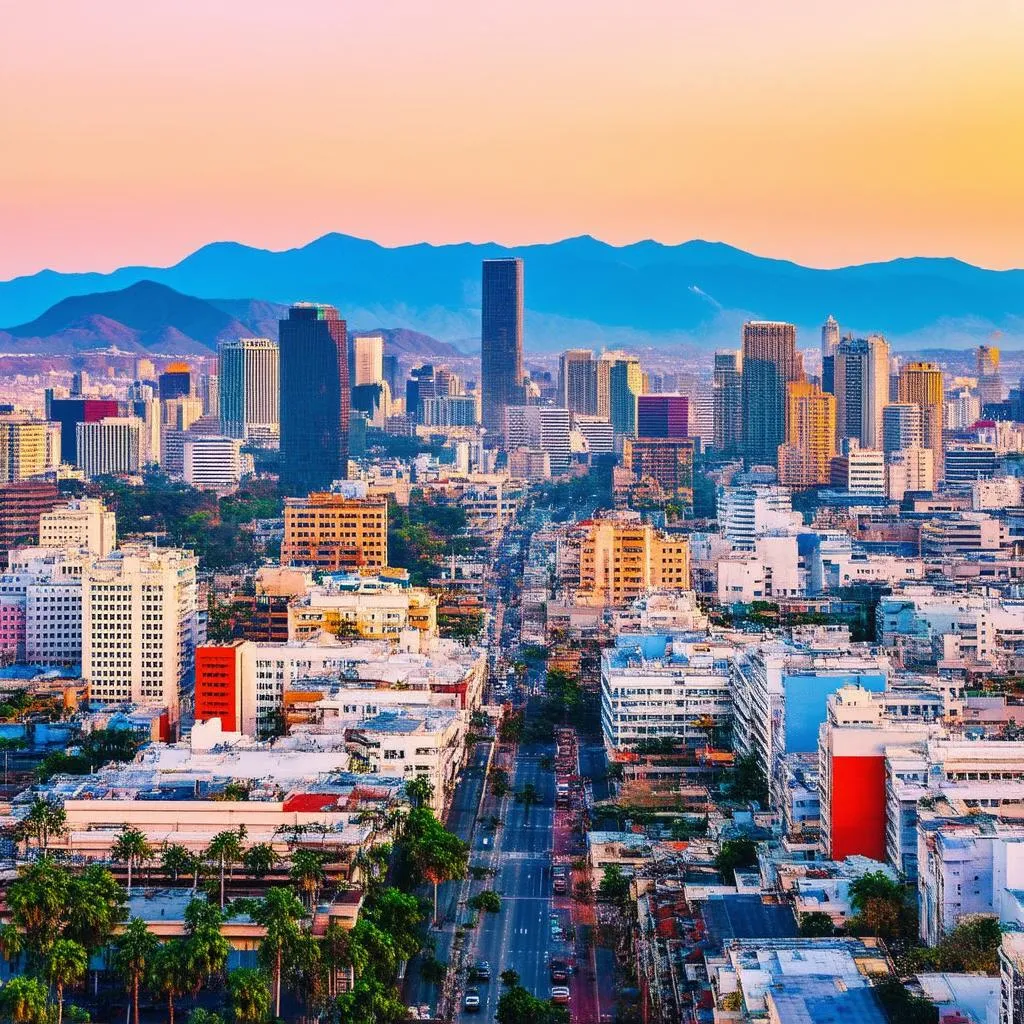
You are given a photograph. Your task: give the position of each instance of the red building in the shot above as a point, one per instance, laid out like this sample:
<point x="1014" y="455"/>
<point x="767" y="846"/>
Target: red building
<point x="665" y="416"/>
<point x="21" y="505"/>
<point x="218" y="685"/>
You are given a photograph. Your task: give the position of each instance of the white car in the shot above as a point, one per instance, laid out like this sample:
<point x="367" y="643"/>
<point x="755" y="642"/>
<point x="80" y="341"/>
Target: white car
<point x="560" y="994"/>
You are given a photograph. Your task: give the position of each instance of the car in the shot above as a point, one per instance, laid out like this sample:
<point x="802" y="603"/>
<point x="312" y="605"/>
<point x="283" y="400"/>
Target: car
<point x="559" y="971"/>
<point x="560" y="995"/>
<point x="471" y="1000"/>
<point x="482" y="970"/>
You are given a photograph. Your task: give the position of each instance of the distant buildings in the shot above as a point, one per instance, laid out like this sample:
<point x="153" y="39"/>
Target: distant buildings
<point x="69" y="412"/>
<point x="921" y="384"/>
<point x="83" y="523"/>
<point x="806" y="457"/>
<point x="368" y="359"/>
<point x="250" y="386"/>
<point x="727" y="392"/>
<point x="314" y="399"/>
<point x="26" y="449"/>
<point x="770" y="363"/>
<point x="664" y="416"/>
<point x="861" y="389"/>
<point x="625" y="383"/>
<point x="577" y="381"/>
<point x="212" y="462"/>
<point x="175" y="382"/>
<point x="501" y="341"/>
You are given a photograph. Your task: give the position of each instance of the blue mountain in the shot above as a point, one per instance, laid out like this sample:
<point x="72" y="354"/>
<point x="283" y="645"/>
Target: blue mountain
<point x="579" y="289"/>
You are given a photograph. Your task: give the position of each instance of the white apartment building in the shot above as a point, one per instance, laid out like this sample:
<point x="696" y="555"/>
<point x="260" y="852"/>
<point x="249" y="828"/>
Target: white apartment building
<point x="139" y="626"/>
<point x="746" y="513"/>
<point x="597" y="433"/>
<point x="865" y="471"/>
<point x="84" y="523"/>
<point x="211" y="462"/>
<point x="658" y="686"/>
<point x="110" y="447"/>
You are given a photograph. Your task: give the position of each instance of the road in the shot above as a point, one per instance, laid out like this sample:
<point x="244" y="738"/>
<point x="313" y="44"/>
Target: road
<point x="519" y="935"/>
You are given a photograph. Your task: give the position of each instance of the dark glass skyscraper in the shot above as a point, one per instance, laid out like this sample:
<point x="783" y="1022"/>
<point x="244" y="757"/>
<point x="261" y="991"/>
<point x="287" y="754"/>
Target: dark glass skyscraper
<point x="665" y="416"/>
<point x="314" y="399"/>
<point x="770" y="363"/>
<point x="501" y="341"/>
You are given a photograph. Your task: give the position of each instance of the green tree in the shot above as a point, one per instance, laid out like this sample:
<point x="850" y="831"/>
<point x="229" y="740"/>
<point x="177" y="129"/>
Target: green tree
<point x="510" y="977"/>
<point x="614" y="887"/>
<point x="207" y="948"/>
<point x="224" y="850"/>
<point x="972" y="946"/>
<point x="38" y="901"/>
<point x="882" y="907"/>
<point x="134" y="954"/>
<point x="736" y="853"/>
<point x="173" y="973"/>
<point x="748" y="781"/>
<point x="24" y="1000"/>
<point x="248" y="996"/>
<point x="131" y="848"/>
<point x="43" y="821"/>
<point x="66" y="967"/>
<point x="398" y="914"/>
<point x="279" y="912"/>
<point x="420" y="791"/>
<point x="259" y="860"/>
<point x="307" y="873"/>
<point x="900" y="1006"/>
<point x="488" y="901"/>
<point x="528" y="796"/>
<point x="337" y="952"/>
<point x="435" y="853"/>
<point x="369" y="1002"/>
<point x="176" y="860"/>
<point x="517" y="1006"/>
<point x="816" y="924"/>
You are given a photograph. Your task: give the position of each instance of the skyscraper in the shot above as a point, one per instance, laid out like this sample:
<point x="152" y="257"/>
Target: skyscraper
<point x="861" y="389"/>
<point x="901" y="427"/>
<point x="829" y="337"/>
<point x="770" y="363"/>
<point x="250" y="389"/>
<point x="577" y="381"/>
<point x="625" y="382"/>
<point x="990" y="380"/>
<point x="368" y="350"/>
<point x="665" y="416"/>
<point x="314" y="399"/>
<point x="921" y="383"/>
<point x="175" y="381"/>
<point x="501" y="341"/>
<point x="727" y="392"/>
<point x="805" y="459"/>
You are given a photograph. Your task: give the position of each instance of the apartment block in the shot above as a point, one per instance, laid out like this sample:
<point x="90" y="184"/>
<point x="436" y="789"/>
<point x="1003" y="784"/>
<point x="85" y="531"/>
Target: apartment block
<point x="330" y="531"/>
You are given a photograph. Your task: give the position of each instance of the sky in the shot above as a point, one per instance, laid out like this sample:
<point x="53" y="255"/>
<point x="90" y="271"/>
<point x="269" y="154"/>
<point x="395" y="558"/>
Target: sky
<point x="823" y="131"/>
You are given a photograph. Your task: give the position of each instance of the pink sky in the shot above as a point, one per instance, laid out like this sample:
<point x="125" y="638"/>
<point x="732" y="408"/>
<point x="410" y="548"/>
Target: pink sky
<point x="827" y="132"/>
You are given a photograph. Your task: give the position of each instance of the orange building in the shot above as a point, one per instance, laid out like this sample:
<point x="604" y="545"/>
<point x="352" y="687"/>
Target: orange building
<point x="332" y="532"/>
<point x="805" y="459"/>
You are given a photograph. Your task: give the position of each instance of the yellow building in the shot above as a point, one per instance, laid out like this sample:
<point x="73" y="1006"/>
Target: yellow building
<point x="25" y="449"/>
<point x="622" y="558"/>
<point x="332" y="532"/>
<point x="805" y="458"/>
<point x="921" y="383"/>
<point x="374" y="615"/>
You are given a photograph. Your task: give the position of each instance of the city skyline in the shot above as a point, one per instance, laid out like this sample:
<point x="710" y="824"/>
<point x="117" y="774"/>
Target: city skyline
<point x="630" y="125"/>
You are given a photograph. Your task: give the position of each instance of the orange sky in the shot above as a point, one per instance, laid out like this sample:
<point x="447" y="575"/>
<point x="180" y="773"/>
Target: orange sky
<point x="821" y="131"/>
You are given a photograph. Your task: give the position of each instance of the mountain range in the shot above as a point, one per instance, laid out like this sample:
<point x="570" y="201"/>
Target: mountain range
<point x="578" y="290"/>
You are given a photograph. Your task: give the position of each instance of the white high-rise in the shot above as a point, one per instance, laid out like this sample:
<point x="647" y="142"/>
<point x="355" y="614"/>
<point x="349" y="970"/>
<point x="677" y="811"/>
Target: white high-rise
<point x="829" y="337"/>
<point x="139" y="626"/>
<point x="862" y="389"/>
<point x="250" y="389"/>
<point x="84" y="523"/>
<point x="110" y="447"/>
<point x="212" y="462"/>
<point x="368" y="359"/>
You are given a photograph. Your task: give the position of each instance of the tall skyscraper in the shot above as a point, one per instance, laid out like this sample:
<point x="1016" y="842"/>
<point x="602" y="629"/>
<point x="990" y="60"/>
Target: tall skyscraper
<point x="368" y="350"/>
<point x="727" y="392"/>
<point x="861" y="389"/>
<point x="250" y="389"/>
<point x="625" y="382"/>
<point x="501" y="341"/>
<point x="577" y="381"/>
<point x="175" y="381"/>
<point x="990" y="380"/>
<point x="829" y="337"/>
<point x="805" y="459"/>
<point x="770" y="363"/>
<point x="25" y="449"/>
<point x="901" y="427"/>
<point x="921" y="384"/>
<point x="665" y="416"/>
<point x="110" y="447"/>
<point x="314" y="399"/>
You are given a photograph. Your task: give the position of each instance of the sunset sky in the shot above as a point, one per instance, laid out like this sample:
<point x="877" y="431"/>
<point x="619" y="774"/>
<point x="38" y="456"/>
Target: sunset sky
<point x="133" y="131"/>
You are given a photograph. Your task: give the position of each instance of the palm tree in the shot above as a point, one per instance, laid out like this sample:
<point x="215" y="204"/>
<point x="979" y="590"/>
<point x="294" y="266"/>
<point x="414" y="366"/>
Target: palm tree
<point x="336" y="952"/>
<point x="259" y="860"/>
<point x="132" y="847"/>
<point x="134" y="954"/>
<point x="66" y="965"/>
<point x="175" y="860"/>
<point x="224" y="849"/>
<point x="307" y="872"/>
<point x="39" y="900"/>
<point x="173" y="973"/>
<point x="95" y="905"/>
<point x="528" y="796"/>
<point x="12" y="945"/>
<point x="23" y="1000"/>
<point x="207" y="948"/>
<point x="280" y="913"/>
<point x="8" y="746"/>
<point x="250" y="1000"/>
<point x="44" y="819"/>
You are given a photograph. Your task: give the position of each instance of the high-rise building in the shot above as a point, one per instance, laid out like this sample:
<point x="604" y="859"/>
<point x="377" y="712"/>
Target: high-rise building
<point x="332" y="531"/>
<point x="390" y="368"/>
<point x="111" y="447"/>
<point x="209" y="393"/>
<point x="26" y="449"/>
<point x="967" y="462"/>
<point x="604" y="383"/>
<point x="21" y="505"/>
<point x="542" y="428"/>
<point x="315" y="395"/>
<point x="770" y="363"/>
<point x="727" y="392"/>
<point x="990" y="380"/>
<point x="597" y="434"/>
<point x="69" y="412"/>
<point x="577" y="381"/>
<point x="368" y="359"/>
<point x="175" y="381"/>
<point x="139" y="626"/>
<point x="501" y="341"/>
<point x="625" y="383"/>
<point x="861" y="389"/>
<point x="665" y="416"/>
<point x="250" y="389"/>
<point x="921" y="384"/>
<point x="804" y="460"/>
<point x="829" y="337"/>
<point x="212" y="462"/>
<point x="859" y="470"/>
<point x="668" y="462"/>
<point x="450" y="411"/>
<point x="83" y="523"/>
<point x="901" y="426"/>
<point x="908" y="469"/>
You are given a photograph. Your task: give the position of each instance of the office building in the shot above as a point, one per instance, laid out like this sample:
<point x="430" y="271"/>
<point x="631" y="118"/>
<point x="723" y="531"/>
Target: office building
<point x="805" y="459"/>
<point x="175" y="382"/>
<point x="250" y="390"/>
<point x="84" y="523"/>
<point x="26" y="449"/>
<point x="625" y="384"/>
<point x="908" y="469"/>
<point x="665" y="416"/>
<point x="597" y="434"/>
<point x="921" y="384"/>
<point x="577" y="381"/>
<point x="450" y="411"/>
<point x="332" y="531"/>
<point x="727" y="395"/>
<point x="861" y="389"/>
<point x="501" y="341"/>
<point x="212" y="462"/>
<point x="368" y="359"/>
<point x="967" y="462"/>
<point x="901" y="426"/>
<point x="990" y="380"/>
<point x="667" y="462"/>
<point x="542" y="428"/>
<point x="139" y="626"/>
<point x="374" y="400"/>
<point x="314" y="398"/>
<point x="529" y="464"/>
<point x="21" y="505"/>
<point x="111" y="447"/>
<point x="69" y="412"/>
<point x="859" y="470"/>
<point x="829" y="337"/>
<point x="770" y="363"/>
